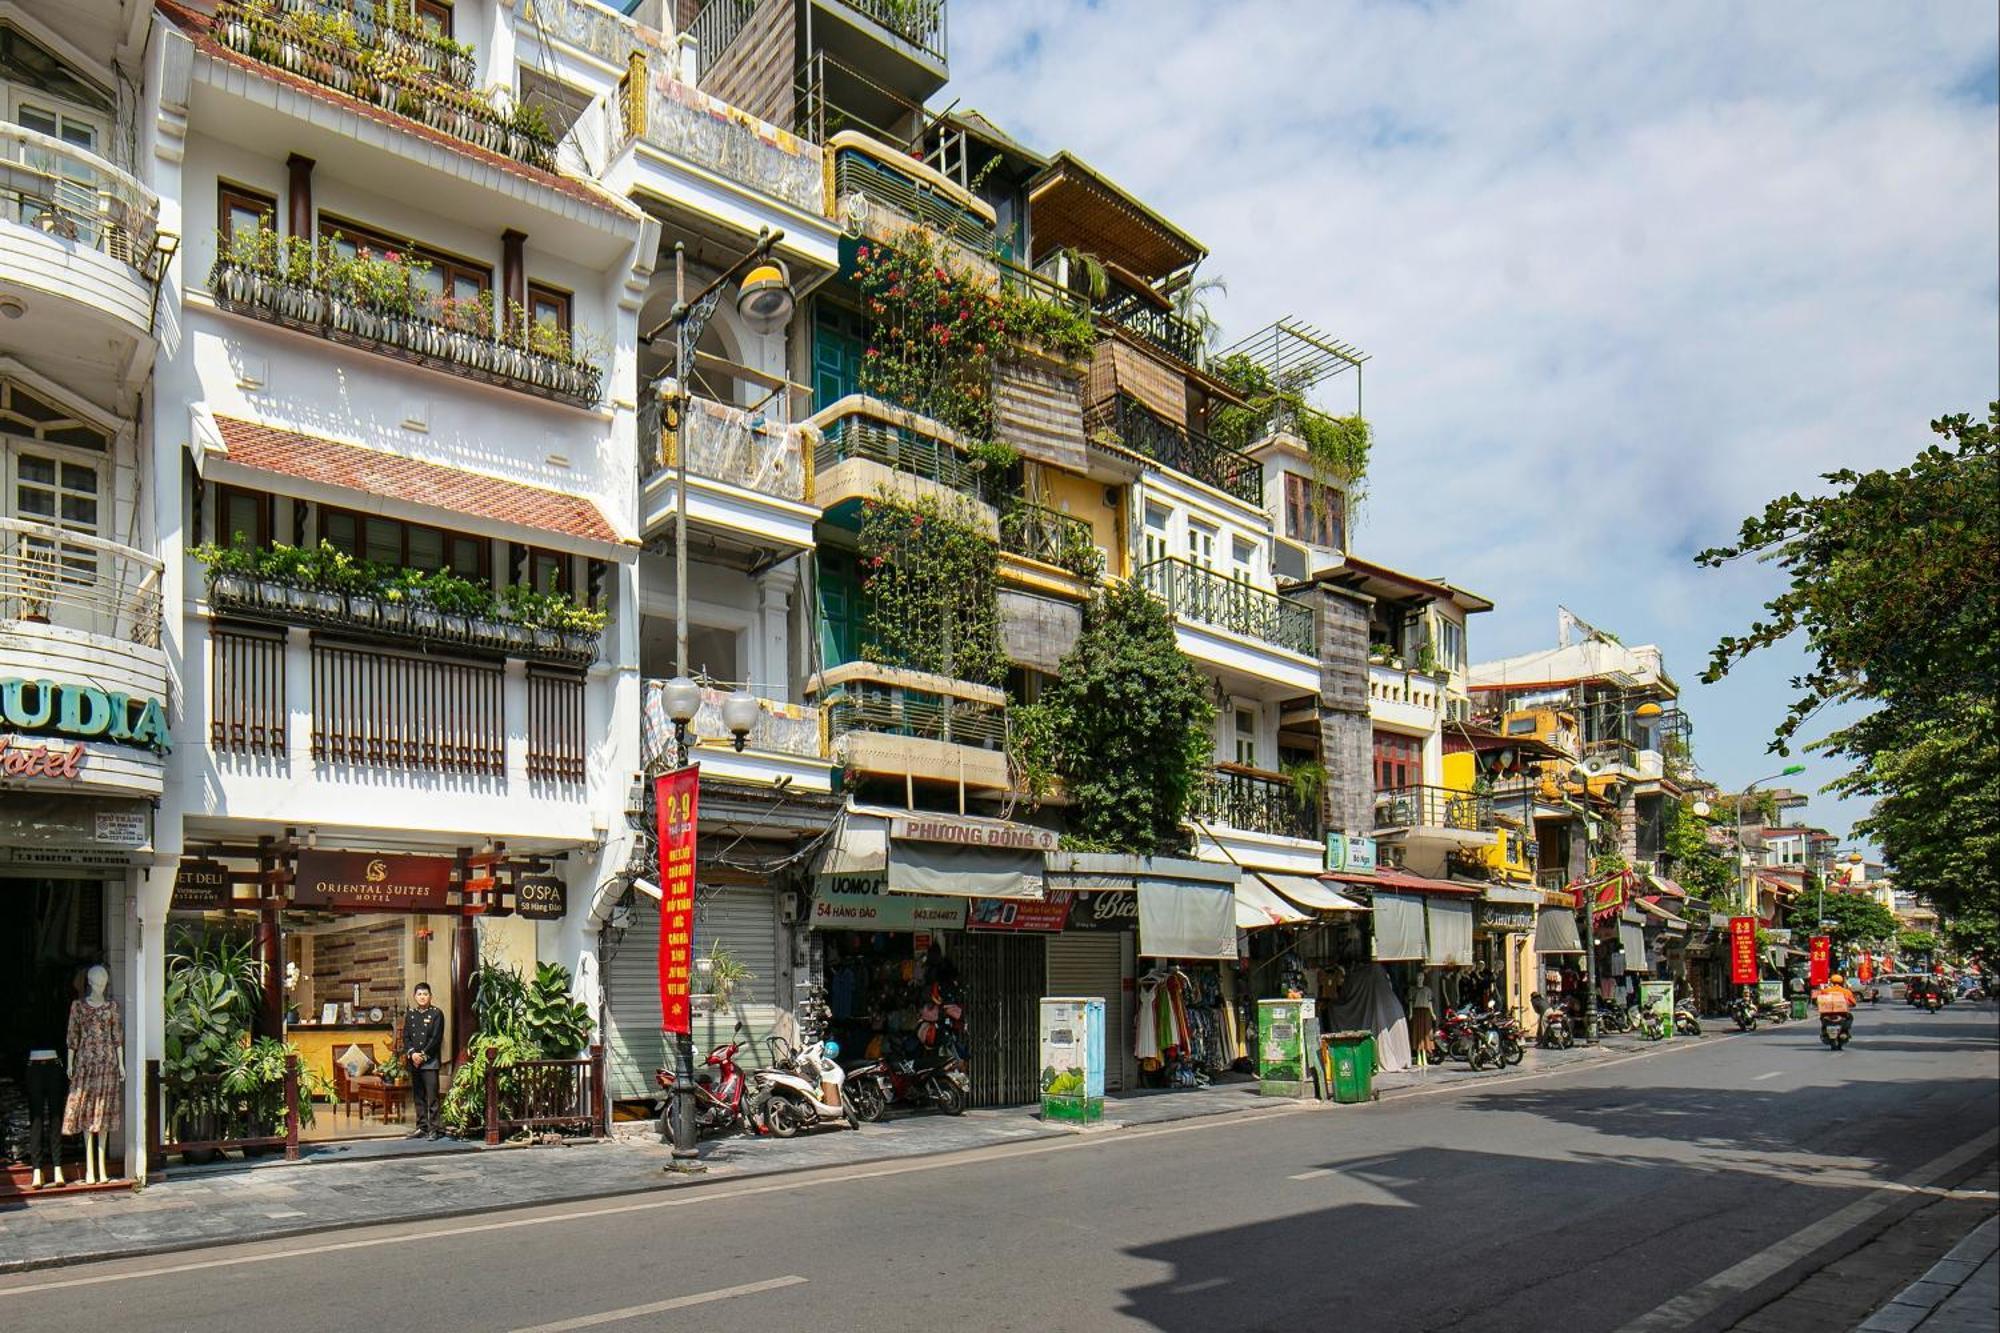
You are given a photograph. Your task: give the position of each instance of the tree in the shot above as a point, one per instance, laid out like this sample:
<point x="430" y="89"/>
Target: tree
<point x="1126" y="726"/>
<point x="1699" y="866"/>
<point x="1916" y="942"/>
<point x="1895" y="585"/>
<point x="1858" y="920"/>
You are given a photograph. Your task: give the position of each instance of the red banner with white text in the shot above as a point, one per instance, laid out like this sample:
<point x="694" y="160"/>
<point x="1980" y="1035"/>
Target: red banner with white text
<point x="1742" y="950"/>
<point x="1820" y="966"/>
<point x="675" y="810"/>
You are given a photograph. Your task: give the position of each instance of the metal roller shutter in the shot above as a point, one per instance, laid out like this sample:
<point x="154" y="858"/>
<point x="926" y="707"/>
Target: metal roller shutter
<point x="1091" y="963"/>
<point x="743" y="921"/>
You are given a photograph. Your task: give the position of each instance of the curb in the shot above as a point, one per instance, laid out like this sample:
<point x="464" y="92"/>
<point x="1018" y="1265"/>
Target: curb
<point x="1944" y="1279"/>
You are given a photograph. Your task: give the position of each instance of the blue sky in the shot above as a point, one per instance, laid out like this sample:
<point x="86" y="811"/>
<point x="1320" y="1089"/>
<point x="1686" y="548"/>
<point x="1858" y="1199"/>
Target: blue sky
<point x="1626" y="270"/>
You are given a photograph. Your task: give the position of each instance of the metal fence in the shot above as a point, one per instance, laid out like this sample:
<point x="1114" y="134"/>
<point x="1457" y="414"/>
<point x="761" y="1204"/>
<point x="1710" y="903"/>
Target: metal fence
<point x="52" y="576"/>
<point x="71" y="193"/>
<point x="1255" y="802"/>
<point x="1221" y="602"/>
<point x="1433" y="807"/>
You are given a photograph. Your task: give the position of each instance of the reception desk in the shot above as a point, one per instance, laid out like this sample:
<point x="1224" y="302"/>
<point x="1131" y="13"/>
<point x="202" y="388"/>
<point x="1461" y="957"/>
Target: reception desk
<point x="320" y="1044"/>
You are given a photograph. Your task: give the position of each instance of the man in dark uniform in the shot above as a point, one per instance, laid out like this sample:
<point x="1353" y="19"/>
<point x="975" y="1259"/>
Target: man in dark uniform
<point x="423" y="1043"/>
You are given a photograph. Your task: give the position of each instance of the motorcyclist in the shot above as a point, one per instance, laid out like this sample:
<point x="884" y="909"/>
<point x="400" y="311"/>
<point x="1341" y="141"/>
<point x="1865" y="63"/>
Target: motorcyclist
<point x="1836" y="1002"/>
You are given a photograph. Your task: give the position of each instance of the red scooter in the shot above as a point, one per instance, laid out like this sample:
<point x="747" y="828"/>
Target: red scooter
<point x="724" y="1101"/>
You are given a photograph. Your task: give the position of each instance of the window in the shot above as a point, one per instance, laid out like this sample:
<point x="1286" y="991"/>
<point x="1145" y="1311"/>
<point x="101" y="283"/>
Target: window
<point x="435" y="16"/>
<point x="548" y="571"/>
<point x="1156" y="533"/>
<point x="1243" y="554"/>
<point x="548" y="307"/>
<point x="448" y="277"/>
<point x="388" y="541"/>
<point x="27" y="415"/>
<point x="1246" y="737"/>
<point x="78" y="131"/>
<point x="1451" y="644"/>
<point x="1315" y="513"/>
<point x="237" y="208"/>
<point x="242" y="518"/>
<point x="1399" y="761"/>
<point x="1201" y="545"/>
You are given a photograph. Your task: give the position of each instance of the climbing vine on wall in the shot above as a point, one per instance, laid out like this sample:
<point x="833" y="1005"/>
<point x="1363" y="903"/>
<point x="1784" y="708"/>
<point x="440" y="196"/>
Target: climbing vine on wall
<point x="931" y="585"/>
<point x="1337" y="446"/>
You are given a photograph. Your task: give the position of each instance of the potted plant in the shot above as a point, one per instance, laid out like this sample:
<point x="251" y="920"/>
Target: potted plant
<point x="39" y="574"/>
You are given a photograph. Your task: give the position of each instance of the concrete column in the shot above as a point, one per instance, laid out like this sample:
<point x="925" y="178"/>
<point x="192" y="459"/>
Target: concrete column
<point x="1348" y="796"/>
<point x="149" y="891"/>
<point x="771" y="643"/>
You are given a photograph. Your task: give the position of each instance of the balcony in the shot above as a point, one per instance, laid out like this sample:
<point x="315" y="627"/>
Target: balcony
<point x="1404" y="698"/>
<point x="867" y="448"/>
<point x="1161" y="329"/>
<point x="787" y="741"/>
<point x="1441" y="808"/>
<point x="914" y="726"/>
<point x="1053" y="538"/>
<point x="412" y="329"/>
<point x="921" y="23"/>
<point x="397" y="66"/>
<point x="1220" y="602"/>
<point x="1185" y="451"/>
<point x="900" y="185"/>
<point x="72" y="581"/>
<point x="78" y="228"/>
<point x="1253" y="801"/>
<point x="750" y="477"/>
<point x="662" y="113"/>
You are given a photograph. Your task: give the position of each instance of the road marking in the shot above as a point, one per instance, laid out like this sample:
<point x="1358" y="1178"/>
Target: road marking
<point x="679" y="1198"/>
<point x="1313" y="1175"/>
<point x="1775" y="1073"/>
<point x="660" y="1307"/>
<point x="1698" y="1302"/>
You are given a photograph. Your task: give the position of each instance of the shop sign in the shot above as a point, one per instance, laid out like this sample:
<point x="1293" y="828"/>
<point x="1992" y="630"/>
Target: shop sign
<point x="1506" y="918"/>
<point x="541" y="898"/>
<point x="1350" y="853"/>
<point x="201" y="886"/>
<point x="1047" y="916"/>
<point x="19" y="759"/>
<point x="1106" y="909"/>
<point x="863" y="902"/>
<point x="968" y="833"/>
<point x="1743" y="967"/>
<point x="676" y="811"/>
<point x="1820" y="964"/>
<point x="83" y="713"/>
<point x="1658" y="997"/>
<point x="368" y="882"/>
<point x="122" y="828"/>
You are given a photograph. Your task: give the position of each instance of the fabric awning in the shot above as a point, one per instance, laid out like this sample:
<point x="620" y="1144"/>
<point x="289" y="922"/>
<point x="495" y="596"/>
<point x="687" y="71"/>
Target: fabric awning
<point x="1667" y="919"/>
<point x="1307" y="892"/>
<point x="1402" y="881"/>
<point x="1632" y="942"/>
<point x="947" y="869"/>
<point x="1555" y="932"/>
<point x="1508" y="893"/>
<point x="859" y="845"/>
<point x="1450" y="921"/>
<point x="1258" y="907"/>
<point x="1180" y="919"/>
<point x="1662" y="885"/>
<point x="1399" y="928"/>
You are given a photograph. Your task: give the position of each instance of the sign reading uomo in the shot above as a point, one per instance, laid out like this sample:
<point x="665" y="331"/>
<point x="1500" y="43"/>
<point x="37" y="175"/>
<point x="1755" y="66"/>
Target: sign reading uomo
<point x="369" y="882"/>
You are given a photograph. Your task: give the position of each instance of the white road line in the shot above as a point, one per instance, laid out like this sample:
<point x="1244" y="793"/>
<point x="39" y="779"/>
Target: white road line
<point x="660" y="1307"/>
<point x="1313" y="1175"/>
<point x="1698" y="1302"/>
<point x="1775" y="1073"/>
<point x="677" y="1199"/>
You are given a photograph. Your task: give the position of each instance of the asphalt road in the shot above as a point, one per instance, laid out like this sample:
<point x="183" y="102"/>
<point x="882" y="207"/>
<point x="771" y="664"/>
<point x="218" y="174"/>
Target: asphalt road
<point x="1690" y="1187"/>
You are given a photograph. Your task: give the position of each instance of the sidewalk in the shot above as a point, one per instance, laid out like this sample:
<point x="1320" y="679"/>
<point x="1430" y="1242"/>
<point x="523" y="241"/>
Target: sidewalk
<point x="1960" y="1293"/>
<point x="392" y="1181"/>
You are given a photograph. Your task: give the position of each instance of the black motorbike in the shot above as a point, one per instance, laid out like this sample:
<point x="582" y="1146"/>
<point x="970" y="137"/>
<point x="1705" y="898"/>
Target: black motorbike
<point x="1744" y="1010"/>
<point x="1836" y="1030"/>
<point x="1556" y="1033"/>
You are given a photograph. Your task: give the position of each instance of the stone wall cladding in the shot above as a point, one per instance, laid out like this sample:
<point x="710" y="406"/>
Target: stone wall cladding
<point x="1346" y="736"/>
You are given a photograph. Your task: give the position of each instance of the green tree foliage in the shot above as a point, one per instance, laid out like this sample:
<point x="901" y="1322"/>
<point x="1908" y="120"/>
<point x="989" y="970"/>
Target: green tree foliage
<point x="1125" y="725"/>
<point x="1703" y="869"/>
<point x="932" y="589"/>
<point x="1337" y="446"/>
<point x="1857" y="920"/>
<point x="1894" y="581"/>
<point x="1916" y="942"/>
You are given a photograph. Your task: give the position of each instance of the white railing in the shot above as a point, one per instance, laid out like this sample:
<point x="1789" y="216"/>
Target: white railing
<point x="76" y="195"/>
<point x="687" y="123"/>
<point x="75" y="581"/>
<point x="782" y="728"/>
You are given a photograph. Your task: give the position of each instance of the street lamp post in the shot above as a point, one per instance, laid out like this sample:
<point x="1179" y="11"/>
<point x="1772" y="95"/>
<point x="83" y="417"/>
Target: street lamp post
<point x="765" y="303"/>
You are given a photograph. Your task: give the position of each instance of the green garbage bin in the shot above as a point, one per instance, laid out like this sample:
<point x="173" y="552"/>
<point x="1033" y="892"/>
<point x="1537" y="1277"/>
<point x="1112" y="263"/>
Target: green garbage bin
<point x="1798" y="1006"/>
<point x="1352" y="1055"/>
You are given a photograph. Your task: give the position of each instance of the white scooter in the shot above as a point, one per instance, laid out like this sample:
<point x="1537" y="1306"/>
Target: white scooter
<point x="802" y="1088"/>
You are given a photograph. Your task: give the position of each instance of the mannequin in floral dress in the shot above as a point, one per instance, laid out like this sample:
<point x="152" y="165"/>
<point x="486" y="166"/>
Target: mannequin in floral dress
<point x="96" y="1073"/>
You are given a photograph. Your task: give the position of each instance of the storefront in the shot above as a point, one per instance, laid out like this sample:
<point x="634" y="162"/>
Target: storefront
<point x="1504" y="946"/>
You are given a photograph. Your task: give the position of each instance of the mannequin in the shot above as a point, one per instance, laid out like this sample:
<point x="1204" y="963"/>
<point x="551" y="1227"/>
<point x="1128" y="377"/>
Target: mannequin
<point x="96" y="1073"/>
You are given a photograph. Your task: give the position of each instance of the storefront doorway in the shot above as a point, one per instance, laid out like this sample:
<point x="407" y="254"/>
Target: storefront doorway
<point x="52" y="930"/>
<point x="1003" y="976"/>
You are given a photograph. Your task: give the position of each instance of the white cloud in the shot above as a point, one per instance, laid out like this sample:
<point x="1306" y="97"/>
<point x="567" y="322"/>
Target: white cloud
<point x="1626" y="270"/>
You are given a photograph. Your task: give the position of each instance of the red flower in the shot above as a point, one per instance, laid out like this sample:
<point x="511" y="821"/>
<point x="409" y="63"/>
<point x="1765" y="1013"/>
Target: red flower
<point x="861" y="252"/>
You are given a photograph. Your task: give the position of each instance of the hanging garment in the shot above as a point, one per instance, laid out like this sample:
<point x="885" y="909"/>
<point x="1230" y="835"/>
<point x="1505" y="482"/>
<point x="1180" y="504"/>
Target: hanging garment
<point x="1368" y="1002"/>
<point x="1146" y="1033"/>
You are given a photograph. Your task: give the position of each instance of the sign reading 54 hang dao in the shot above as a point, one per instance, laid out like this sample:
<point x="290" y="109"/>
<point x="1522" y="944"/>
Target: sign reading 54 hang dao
<point x="368" y="882"/>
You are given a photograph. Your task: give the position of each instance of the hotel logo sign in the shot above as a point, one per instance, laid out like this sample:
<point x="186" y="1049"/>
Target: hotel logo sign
<point x="367" y="882"/>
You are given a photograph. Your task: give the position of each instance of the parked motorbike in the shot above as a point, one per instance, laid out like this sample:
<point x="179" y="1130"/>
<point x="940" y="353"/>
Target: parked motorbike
<point x="1744" y="1010"/>
<point x="1777" y="1011"/>
<point x="1507" y="1032"/>
<point x="803" y="1088"/>
<point x="723" y="1100"/>
<point x="869" y="1090"/>
<point x="873" y="1088"/>
<point x="1556" y="1033"/>
<point x="1686" y="1021"/>
<point x="1833" y="1031"/>
<point x="1614" y="1018"/>
<point x="1651" y="1026"/>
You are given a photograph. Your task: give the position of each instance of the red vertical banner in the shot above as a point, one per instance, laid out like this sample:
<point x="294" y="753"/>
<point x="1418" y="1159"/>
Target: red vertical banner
<point x="674" y="799"/>
<point x="1820" y="966"/>
<point x="1743" y="951"/>
<point x="1866" y="971"/>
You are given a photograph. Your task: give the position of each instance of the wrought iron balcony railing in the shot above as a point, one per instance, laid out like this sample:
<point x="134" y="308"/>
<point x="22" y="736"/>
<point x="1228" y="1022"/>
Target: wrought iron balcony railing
<point x="58" y="188"/>
<point x="1220" y="602"/>
<point x="1433" y="807"/>
<point x="1163" y="329"/>
<point x="1186" y="451"/>
<point x="1255" y="802"/>
<point x="72" y="580"/>
<point x="918" y="22"/>
<point x="1054" y="538"/>
<point x="901" y="712"/>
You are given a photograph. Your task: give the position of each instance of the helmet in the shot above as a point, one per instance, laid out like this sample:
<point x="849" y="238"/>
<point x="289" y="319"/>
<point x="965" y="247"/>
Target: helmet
<point x="833" y="1050"/>
<point x="1836" y="980"/>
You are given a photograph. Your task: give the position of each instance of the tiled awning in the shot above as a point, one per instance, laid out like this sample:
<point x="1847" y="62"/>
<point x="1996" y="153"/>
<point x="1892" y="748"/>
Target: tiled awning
<point x="372" y="475"/>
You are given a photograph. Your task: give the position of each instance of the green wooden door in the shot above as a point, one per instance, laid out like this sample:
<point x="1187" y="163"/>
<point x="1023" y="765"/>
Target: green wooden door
<point x="838" y="339"/>
<point x="839" y="609"/>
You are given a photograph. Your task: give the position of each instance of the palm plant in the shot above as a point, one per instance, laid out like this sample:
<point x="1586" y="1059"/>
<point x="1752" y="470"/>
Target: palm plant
<point x="1191" y="303"/>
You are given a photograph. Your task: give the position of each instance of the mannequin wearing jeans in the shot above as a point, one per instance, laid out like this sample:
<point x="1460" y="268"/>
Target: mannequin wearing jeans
<point x="46" y="1088"/>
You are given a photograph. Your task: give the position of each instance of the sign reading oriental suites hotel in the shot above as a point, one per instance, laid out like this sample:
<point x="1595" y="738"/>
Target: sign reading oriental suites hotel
<point x="367" y="882"/>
